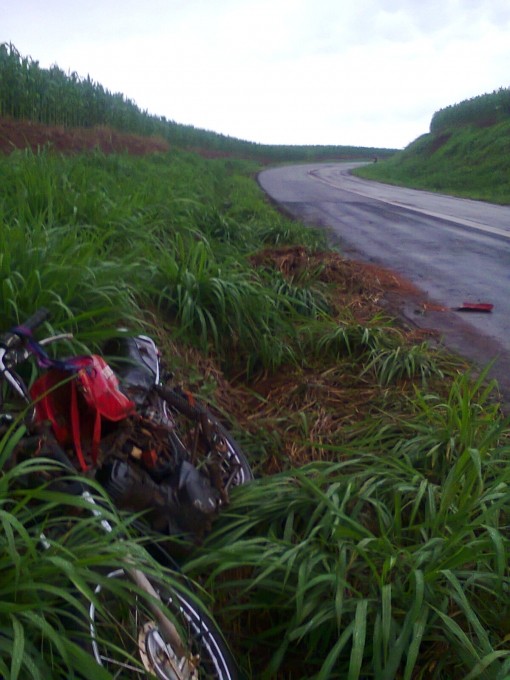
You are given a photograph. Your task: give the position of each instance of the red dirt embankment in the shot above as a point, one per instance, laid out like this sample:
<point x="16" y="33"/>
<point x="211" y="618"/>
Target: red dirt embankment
<point x="23" y="134"/>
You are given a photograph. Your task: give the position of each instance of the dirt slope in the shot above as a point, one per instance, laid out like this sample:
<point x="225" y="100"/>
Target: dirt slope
<point x="16" y="134"/>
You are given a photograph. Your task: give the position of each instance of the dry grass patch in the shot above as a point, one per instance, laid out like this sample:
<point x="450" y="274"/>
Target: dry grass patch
<point x="360" y="287"/>
<point x="289" y="417"/>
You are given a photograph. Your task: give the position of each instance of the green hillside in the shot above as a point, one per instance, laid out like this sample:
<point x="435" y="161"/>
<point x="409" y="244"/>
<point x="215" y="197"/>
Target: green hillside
<point x="466" y="153"/>
<point x="52" y="97"/>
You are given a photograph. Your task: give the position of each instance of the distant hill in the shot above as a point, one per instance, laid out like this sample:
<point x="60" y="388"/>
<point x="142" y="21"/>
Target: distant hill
<point x="52" y="97"/>
<point x="466" y="153"/>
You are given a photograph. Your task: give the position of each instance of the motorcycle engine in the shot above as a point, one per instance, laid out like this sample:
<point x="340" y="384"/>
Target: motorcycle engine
<point x="183" y="504"/>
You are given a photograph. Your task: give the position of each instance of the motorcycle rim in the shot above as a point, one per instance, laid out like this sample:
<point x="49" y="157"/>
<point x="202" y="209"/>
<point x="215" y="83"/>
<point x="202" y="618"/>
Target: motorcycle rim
<point x="127" y="641"/>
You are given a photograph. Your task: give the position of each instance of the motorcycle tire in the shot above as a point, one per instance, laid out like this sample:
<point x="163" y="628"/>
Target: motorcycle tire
<point x="235" y="467"/>
<point x="129" y="644"/>
<point x="235" y="455"/>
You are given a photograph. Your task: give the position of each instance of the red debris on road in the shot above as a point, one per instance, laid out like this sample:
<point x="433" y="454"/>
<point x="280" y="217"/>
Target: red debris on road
<point x="475" y="307"/>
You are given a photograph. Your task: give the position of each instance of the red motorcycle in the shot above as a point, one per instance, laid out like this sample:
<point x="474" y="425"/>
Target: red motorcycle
<point x="156" y="451"/>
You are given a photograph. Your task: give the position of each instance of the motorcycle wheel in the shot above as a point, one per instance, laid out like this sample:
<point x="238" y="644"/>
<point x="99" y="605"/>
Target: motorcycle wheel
<point x="234" y="463"/>
<point x="127" y="641"/>
<point x="235" y="468"/>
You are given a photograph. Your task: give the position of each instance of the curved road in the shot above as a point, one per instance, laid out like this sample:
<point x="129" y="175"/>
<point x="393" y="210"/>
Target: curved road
<point x="453" y="249"/>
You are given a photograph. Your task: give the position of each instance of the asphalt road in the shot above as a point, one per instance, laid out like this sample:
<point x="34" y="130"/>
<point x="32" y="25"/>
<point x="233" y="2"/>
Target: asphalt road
<point x="455" y="250"/>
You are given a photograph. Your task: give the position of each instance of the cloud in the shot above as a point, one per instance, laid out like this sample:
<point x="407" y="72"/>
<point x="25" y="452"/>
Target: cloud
<point x="279" y="71"/>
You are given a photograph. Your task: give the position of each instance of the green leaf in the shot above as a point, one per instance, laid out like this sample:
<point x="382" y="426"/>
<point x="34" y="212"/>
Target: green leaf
<point x="18" y="647"/>
<point x="358" y="640"/>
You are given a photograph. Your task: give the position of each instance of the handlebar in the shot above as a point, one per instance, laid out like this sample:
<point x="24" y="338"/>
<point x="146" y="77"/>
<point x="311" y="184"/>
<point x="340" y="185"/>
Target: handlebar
<point x="37" y="318"/>
<point x="15" y="337"/>
<point x="12" y="344"/>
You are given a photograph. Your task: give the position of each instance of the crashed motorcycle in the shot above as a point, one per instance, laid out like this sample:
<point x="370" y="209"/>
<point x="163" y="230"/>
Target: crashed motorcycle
<point x="155" y="449"/>
<point x="157" y="452"/>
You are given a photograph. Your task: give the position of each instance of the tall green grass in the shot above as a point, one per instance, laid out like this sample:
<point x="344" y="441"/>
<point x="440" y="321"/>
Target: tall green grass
<point x="391" y="563"/>
<point x="378" y="346"/>
<point x="100" y="238"/>
<point x="46" y="590"/>
<point x="61" y="267"/>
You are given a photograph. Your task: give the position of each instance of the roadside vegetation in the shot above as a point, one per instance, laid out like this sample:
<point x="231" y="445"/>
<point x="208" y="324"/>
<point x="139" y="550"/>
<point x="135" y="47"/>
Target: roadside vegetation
<point x="374" y="542"/>
<point x="46" y="591"/>
<point x="466" y="153"/>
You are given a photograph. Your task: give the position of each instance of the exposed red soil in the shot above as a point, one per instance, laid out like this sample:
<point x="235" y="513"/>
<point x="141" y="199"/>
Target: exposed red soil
<point x="23" y="134"/>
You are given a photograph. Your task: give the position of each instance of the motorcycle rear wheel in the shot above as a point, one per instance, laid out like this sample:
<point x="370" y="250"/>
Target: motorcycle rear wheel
<point x="128" y="642"/>
<point x="189" y="437"/>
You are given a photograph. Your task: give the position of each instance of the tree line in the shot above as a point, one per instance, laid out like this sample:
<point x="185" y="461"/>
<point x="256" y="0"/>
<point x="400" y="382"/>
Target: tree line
<point x="485" y="109"/>
<point x="53" y="97"/>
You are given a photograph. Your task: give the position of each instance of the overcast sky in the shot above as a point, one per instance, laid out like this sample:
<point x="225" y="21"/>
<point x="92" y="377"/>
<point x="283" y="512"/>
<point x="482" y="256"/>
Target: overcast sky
<point x="360" y="72"/>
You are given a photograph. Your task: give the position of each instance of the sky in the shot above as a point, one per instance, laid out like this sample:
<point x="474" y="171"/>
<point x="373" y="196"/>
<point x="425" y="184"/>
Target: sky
<point x="349" y="72"/>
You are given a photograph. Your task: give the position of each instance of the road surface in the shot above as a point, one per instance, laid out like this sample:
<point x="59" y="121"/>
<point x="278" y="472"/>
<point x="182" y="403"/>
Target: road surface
<point x="455" y="250"/>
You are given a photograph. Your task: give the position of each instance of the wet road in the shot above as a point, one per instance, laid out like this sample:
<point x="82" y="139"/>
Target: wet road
<point x="455" y="250"/>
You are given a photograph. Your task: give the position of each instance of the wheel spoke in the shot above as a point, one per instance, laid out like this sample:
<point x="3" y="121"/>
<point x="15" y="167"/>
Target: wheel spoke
<point x="134" y="630"/>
